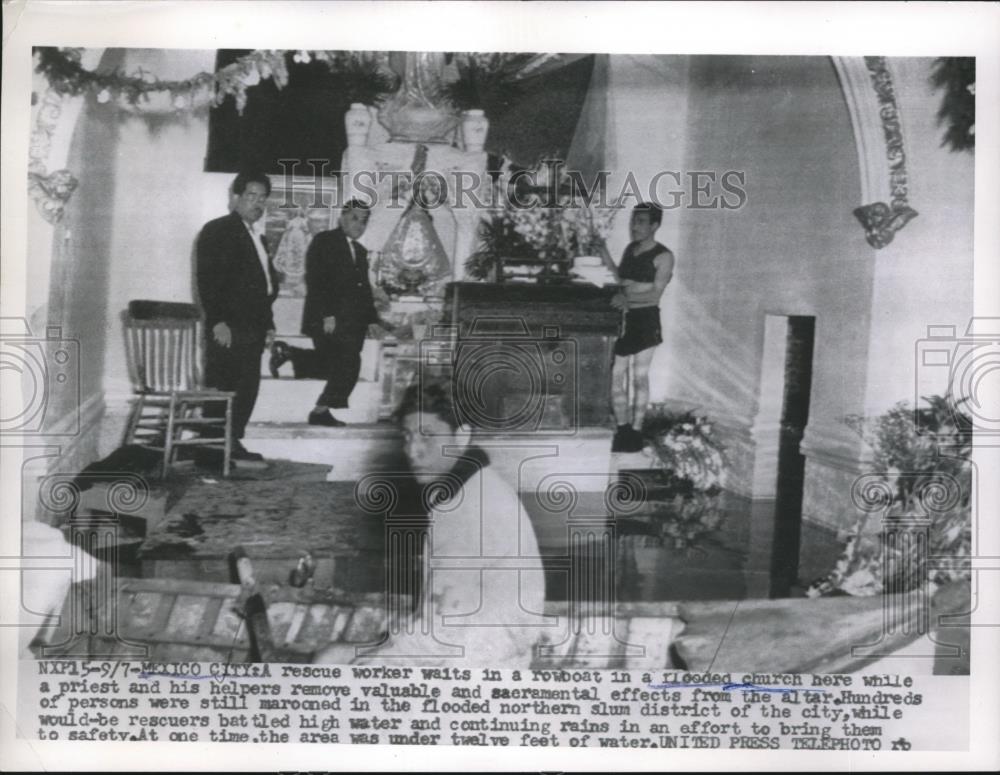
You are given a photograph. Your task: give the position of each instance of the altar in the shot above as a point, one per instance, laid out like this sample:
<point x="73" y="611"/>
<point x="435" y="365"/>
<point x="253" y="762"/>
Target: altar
<point x="531" y="358"/>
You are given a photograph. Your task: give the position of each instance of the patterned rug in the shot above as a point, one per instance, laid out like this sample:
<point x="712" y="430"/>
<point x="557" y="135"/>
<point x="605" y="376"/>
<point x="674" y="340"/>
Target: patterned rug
<point x="274" y="516"/>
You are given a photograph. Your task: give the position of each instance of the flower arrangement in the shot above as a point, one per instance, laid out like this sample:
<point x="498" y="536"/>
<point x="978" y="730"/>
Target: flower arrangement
<point x="404" y="281"/>
<point x="921" y="457"/>
<point x="691" y="477"/>
<point x="533" y="226"/>
<point x="691" y="456"/>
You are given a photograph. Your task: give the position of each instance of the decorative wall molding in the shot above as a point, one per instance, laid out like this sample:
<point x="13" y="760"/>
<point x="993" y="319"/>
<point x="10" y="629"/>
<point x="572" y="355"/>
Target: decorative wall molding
<point x="49" y="145"/>
<point x="878" y="134"/>
<point x="50" y="191"/>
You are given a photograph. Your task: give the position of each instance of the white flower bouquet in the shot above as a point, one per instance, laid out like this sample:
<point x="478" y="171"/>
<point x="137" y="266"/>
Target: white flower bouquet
<point x="693" y="466"/>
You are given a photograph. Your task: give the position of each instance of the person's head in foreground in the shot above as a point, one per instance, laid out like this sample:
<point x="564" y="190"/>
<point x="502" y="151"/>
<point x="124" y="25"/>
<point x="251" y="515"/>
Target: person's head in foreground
<point x="430" y="425"/>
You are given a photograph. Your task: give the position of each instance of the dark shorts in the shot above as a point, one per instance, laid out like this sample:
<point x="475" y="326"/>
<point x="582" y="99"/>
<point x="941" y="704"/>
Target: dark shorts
<point x="642" y="331"/>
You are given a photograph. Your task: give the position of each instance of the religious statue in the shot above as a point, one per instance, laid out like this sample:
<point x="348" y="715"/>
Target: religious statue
<point x="414" y="259"/>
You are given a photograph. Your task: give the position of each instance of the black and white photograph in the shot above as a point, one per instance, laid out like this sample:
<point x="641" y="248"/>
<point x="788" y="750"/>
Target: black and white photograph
<point x="499" y="375"/>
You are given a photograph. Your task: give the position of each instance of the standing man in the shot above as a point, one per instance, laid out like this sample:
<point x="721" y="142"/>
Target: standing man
<point x="645" y="271"/>
<point x="339" y="308"/>
<point x="237" y="284"/>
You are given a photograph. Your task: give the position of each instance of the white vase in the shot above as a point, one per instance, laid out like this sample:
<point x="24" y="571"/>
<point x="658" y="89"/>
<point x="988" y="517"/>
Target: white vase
<point x="357" y="122"/>
<point x="475" y="125"/>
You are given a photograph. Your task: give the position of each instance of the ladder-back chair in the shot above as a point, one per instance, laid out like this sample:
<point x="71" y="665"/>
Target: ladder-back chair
<point x="163" y="350"/>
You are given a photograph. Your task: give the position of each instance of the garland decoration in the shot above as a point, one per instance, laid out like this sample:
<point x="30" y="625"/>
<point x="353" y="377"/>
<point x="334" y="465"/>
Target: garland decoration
<point x="141" y="91"/>
<point x="50" y="192"/>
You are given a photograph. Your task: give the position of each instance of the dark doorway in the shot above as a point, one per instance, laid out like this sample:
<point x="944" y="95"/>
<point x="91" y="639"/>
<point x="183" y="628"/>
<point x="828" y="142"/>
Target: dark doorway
<point x="791" y="463"/>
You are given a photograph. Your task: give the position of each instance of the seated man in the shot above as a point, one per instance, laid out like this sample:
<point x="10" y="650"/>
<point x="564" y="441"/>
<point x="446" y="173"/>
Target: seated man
<point x="484" y="592"/>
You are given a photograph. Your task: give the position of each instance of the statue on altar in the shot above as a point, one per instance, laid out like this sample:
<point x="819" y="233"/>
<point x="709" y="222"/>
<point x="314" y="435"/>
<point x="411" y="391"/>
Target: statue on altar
<point x="414" y="260"/>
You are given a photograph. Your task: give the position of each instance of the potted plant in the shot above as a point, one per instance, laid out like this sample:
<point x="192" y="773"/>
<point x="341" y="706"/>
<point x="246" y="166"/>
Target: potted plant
<point x="363" y="81"/>
<point x="920" y="470"/>
<point x="486" y="86"/>
<point x="486" y="82"/>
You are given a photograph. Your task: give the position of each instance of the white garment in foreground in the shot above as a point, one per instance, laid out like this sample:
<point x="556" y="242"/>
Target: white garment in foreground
<point x="487" y="587"/>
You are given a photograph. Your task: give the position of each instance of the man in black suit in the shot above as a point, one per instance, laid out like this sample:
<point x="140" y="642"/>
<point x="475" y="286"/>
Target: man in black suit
<point x="339" y="308"/>
<point x="237" y="284"/>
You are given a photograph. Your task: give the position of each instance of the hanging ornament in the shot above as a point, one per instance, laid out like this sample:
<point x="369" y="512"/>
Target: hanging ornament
<point x="241" y="100"/>
<point x="66" y="75"/>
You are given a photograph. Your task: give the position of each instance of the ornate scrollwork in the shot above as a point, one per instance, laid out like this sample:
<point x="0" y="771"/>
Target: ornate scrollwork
<point x="124" y="493"/>
<point x="556" y="495"/>
<point x="881" y="221"/>
<point x="50" y="191"/>
<point x="871" y="493"/>
<point x="377" y="494"/>
<point x="625" y="495"/>
<point x="444" y="494"/>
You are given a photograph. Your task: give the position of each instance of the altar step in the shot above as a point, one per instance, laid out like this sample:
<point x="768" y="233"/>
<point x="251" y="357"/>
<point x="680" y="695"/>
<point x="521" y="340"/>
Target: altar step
<point x="288" y="401"/>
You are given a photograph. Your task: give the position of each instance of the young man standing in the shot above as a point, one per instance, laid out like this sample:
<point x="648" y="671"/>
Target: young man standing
<point x="237" y="284"/>
<point x="644" y="272"/>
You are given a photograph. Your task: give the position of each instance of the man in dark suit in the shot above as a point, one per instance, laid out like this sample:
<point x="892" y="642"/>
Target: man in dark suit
<point x="339" y="308"/>
<point x="237" y="284"/>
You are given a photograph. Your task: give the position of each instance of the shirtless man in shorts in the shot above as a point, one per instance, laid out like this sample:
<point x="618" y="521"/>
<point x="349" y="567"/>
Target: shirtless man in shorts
<point x="644" y="272"/>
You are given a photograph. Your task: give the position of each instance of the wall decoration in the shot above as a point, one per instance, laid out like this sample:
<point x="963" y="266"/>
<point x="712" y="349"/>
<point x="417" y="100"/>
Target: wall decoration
<point x="50" y="191"/>
<point x="144" y="92"/>
<point x="881" y="221"/>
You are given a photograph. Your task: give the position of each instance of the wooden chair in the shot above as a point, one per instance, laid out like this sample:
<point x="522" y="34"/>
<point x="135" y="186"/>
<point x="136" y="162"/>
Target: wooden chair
<point x="163" y="350"/>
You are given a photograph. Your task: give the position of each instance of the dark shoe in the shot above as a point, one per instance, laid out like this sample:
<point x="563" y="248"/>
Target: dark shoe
<point x="280" y="354"/>
<point x="627" y="439"/>
<point x="619" y="439"/>
<point x="636" y="440"/>
<point x="326" y="419"/>
<point x="239" y="452"/>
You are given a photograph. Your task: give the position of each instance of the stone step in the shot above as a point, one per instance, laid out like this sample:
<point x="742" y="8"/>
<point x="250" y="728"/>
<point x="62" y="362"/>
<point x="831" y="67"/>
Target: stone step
<point x="352" y="452"/>
<point x="288" y="401"/>
<point x="535" y="463"/>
